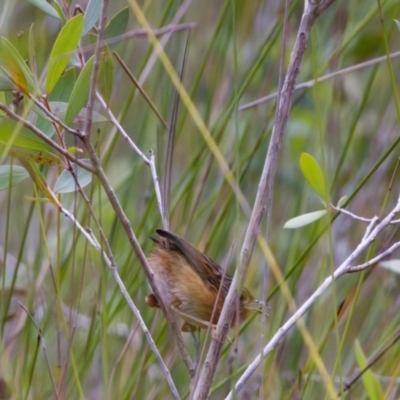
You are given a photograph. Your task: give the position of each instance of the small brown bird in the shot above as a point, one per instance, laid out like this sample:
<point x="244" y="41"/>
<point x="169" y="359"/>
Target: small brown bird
<point x="189" y="282"/>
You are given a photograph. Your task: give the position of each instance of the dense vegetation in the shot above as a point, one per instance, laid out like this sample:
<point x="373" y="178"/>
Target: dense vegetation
<point x="68" y="97"/>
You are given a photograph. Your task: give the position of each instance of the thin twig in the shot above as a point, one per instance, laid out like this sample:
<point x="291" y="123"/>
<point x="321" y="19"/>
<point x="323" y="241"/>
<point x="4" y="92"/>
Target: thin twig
<point x="266" y="267"/>
<point x="348" y="383"/>
<point x="312" y="82"/>
<point x="371" y="226"/>
<point x="163" y="41"/>
<point x="340" y="271"/>
<point x="338" y="380"/>
<point x="261" y="204"/>
<point x="375" y="260"/>
<point x="354" y="216"/>
<point x="45" y="138"/>
<point x="138" y="251"/>
<point x="168" y="29"/>
<point x="186" y="100"/>
<point x="169" y="147"/>
<point x="55" y="119"/>
<point x="358" y="218"/>
<point x="140" y="88"/>
<point x="96" y="66"/>
<point x="156" y="182"/>
<point x="122" y="130"/>
<point x="40" y="337"/>
<point x="112" y="266"/>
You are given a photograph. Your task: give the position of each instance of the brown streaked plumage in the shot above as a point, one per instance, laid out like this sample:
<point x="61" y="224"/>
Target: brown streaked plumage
<point x="189" y="282"/>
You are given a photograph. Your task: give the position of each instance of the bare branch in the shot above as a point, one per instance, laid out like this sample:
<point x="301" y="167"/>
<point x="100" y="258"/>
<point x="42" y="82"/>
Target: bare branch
<point x="371" y="226"/>
<point x="109" y="260"/>
<point x="263" y="199"/>
<point x="168" y="29"/>
<point x="156" y="182"/>
<point x="96" y="66"/>
<point x="138" y="251"/>
<point x="356" y="217"/>
<point x="312" y="82"/>
<point x="163" y="41"/>
<point x="45" y="138"/>
<point x="344" y="268"/>
<point x="55" y="119"/>
<point x="375" y="260"/>
<point x="122" y="130"/>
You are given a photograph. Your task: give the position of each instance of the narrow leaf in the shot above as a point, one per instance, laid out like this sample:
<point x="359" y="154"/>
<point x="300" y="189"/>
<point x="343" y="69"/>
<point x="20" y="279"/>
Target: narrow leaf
<point x="66" y="42"/>
<point x="118" y="24"/>
<point x="2" y="100"/>
<point x="106" y="75"/>
<point x="42" y="157"/>
<point x="31" y="51"/>
<point x="14" y="134"/>
<point x="92" y="14"/>
<point x="64" y="87"/>
<point x="45" y="126"/>
<point x="80" y="93"/>
<point x="75" y="150"/>
<point x="371" y="384"/>
<point x="313" y="173"/>
<point x="60" y="12"/>
<point x="40" y="181"/>
<point x="342" y="201"/>
<point x="45" y="7"/>
<point x="15" y="67"/>
<point x="304" y="219"/>
<point x="6" y="84"/>
<point x="66" y="183"/>
<point x="18" y="174"/>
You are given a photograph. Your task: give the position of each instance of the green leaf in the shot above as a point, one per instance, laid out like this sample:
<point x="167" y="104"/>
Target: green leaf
<point x="66" y="183"/>
<point x="45" y="7"/>
<point x="397" y="24"/>
<point x="63" y="89"/>
<point x="42" y="157"/>
<point x="92" y="14"/>
<point x="40" y="181"/>
<point x="118" y="24"/>
<point x="392" y="265"/>
<point x="14" y="134"/>
<point x="66" y="43"/>
<point x="74" y="150"/>
<point x="31" y="51"/>
<point x="304" y="219"/>
<point x="2" y="100"/>
<point x="15" y="67"/>
<point x="313" y="173"/>
<point x="371" y="384"/>
<point x="342" y="201"/>
<point x="80" y="93"/>
<point x="106" y="75"/>
<point x="59" y="109"/>
<point x="6" y="84"/>
<point x="60" y="12"/>
<point x="45" y="126"/>
<point x="18" y="174"/>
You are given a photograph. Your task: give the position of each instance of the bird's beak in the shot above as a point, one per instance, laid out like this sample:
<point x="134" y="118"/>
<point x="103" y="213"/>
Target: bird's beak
<point x="256" y="306"/>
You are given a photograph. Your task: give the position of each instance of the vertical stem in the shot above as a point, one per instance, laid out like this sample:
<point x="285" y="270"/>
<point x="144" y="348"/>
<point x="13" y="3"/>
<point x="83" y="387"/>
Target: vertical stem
<point x="263" y="200"/>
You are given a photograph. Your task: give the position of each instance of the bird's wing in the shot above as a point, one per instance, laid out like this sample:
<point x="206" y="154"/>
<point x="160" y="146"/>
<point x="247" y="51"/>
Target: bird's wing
<point x="208" y="270"/>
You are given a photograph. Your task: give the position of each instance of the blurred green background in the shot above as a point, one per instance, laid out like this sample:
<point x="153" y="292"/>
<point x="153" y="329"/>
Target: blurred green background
<point x="349" y="124"/>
